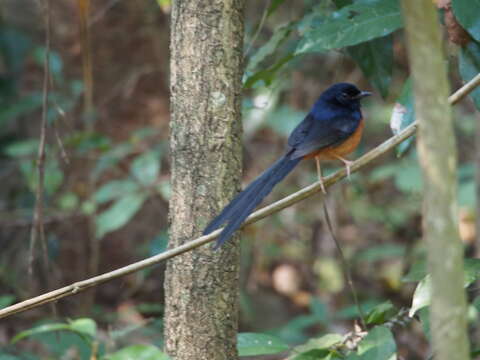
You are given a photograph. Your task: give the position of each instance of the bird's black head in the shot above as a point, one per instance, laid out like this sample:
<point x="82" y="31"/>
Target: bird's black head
<point x="345" y="94"/>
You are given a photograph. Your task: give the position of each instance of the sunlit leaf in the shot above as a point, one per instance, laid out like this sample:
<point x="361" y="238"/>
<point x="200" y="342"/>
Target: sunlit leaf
<point x="118" y="214"/>
<point x="251" y="344"/>
<point x="353" y="24"/>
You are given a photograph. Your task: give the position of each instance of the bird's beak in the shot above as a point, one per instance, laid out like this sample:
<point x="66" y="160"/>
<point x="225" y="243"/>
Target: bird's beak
<point x="363" y="94"/>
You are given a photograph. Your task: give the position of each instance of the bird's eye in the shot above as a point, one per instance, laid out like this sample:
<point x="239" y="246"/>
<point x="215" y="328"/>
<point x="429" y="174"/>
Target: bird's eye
<point x="344" y="95"/>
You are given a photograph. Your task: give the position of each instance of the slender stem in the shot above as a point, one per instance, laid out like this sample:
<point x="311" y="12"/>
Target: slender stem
<point x="264" y="212"/>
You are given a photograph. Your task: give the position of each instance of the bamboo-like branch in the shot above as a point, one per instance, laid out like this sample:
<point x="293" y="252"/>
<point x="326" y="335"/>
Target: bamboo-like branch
<point x="256" y="216"/>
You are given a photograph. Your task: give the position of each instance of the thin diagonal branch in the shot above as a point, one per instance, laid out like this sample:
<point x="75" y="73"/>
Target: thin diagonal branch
<point x="256" y="216"/>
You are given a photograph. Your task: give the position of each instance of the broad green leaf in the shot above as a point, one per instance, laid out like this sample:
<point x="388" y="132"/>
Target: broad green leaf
<point x="362" y="21"/>
<point x="381" y="313"/>
<point x="379" y="344"/>
<point x="145" y="167"/>
<point x="316" y="348"/>
<point x="114" y="189"/>
<point x="137" y="352"/>
<point x="41" y="329"/>
<point x="469" y="64"/>
<point x="252" y="344"/>
<point x="375" y="58"/>
<point x="466" y="12"/>
<point x="279" y="35"/>
<point x="118" y="214"/>
<point x="421" y="296"/>
<point x="85" y="326"/>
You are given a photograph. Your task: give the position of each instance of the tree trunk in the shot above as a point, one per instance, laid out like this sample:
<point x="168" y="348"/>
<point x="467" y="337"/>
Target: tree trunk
<point x="437" y="152"/>
<point x="206" y="67"/>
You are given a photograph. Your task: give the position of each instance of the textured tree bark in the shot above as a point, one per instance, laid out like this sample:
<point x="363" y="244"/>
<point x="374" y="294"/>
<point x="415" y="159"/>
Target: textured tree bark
<point x="438" y="158"/>
<point x="201" y="287"/>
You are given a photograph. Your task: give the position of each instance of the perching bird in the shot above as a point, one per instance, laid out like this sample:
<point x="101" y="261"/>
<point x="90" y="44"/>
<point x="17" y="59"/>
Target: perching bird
<point x="331" y="130"/>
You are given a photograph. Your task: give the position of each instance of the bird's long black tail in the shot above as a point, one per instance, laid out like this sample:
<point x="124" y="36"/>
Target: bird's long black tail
<point x="245" y="202"/>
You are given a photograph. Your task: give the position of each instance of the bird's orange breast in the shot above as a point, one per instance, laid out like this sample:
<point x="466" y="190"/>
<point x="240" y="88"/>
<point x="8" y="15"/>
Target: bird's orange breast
<point x="345" y="148"/>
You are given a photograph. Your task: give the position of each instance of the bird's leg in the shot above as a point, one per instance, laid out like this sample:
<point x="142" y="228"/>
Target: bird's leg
<point x="319" y="174"/>
<point x="347" y="163"/>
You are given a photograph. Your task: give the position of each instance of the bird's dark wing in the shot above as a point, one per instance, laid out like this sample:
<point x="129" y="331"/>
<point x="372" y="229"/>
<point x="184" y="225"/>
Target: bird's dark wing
<point x="314" y="134"/>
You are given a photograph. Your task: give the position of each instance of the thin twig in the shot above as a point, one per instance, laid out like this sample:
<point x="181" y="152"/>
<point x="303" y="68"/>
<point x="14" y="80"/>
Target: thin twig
<point x="345" y="265"/>
<point x="256" y="216"/>
<point x="259" y="28"/>
<point x="38" y="230"/>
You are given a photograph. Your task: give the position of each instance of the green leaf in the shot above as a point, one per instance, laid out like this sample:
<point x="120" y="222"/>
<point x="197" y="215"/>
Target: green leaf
<point x="145" y="167"/>
<point x="375" y="58"/>
<point x="279" y="35"/>
<point x="421" y="296"/>
<point x="466" y="12"/>
<point x="267" y="75"/>
<point x="114" y="189"/>
<point x="469" y="65"/>
<point x="379" y="344"/>
<point x="85" y="326"/>
<point x="252" y="344"/>
<point x="118" y="214"/>
<point x="317" y="348"/>
<point x="362" y="21"/>
<point x="41" y="329"/>
<point x="137" y="352"/>
<point x="381" y="313"/>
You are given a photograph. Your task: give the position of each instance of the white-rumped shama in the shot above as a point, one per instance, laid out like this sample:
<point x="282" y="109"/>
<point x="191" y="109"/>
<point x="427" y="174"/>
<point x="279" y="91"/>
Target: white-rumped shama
<point x="331" y="130"/>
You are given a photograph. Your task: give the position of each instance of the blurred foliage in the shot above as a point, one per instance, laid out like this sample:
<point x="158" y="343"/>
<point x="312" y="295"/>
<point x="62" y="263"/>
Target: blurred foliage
<point x="113" y="176"/>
